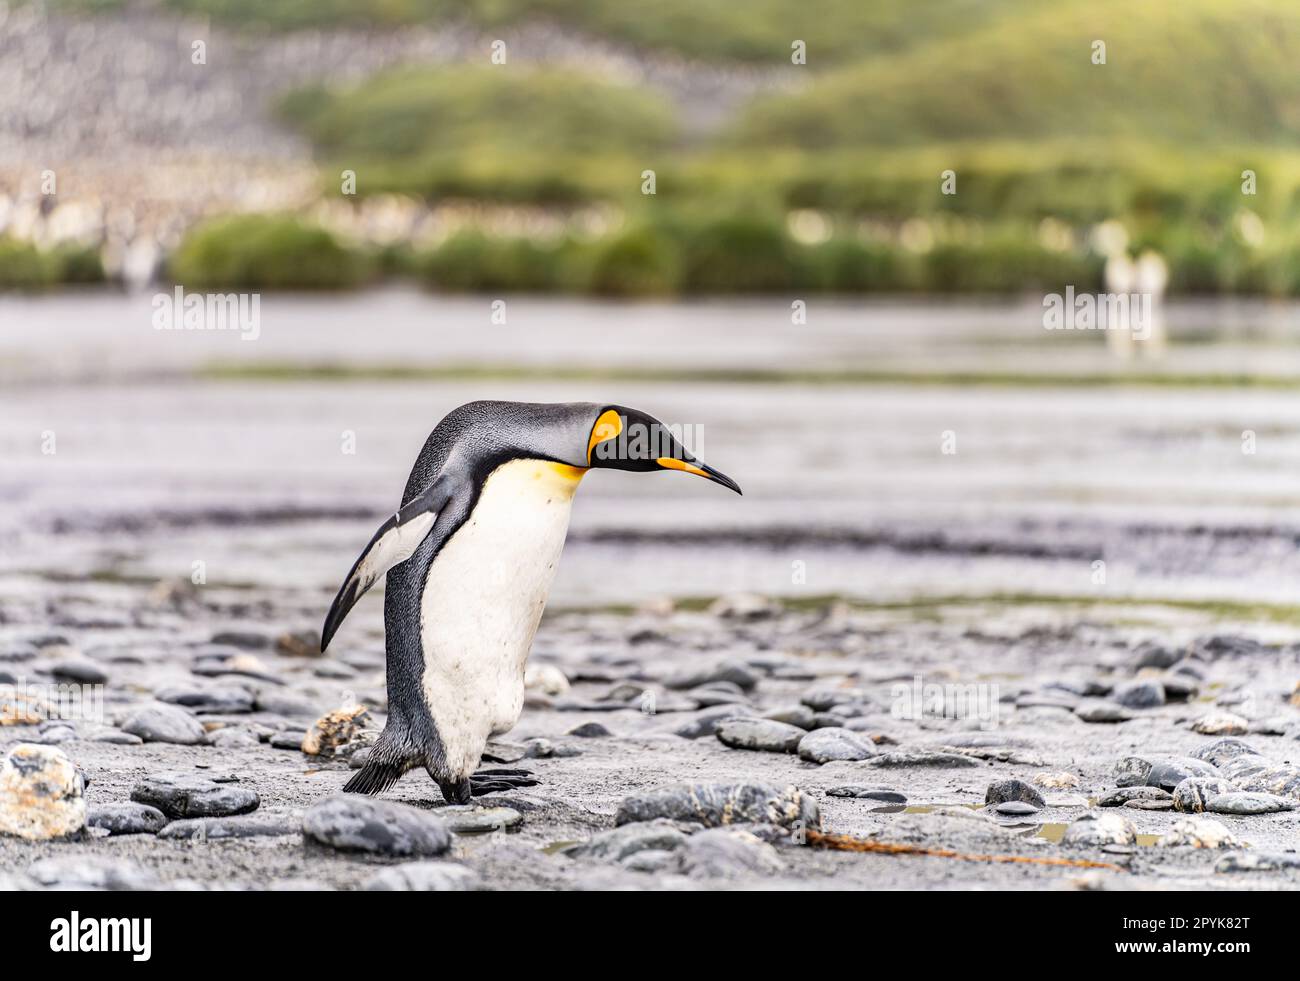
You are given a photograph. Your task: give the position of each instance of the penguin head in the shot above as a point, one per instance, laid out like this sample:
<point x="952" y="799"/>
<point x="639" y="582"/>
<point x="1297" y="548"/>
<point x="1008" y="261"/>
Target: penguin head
<point x="628" y="439"/>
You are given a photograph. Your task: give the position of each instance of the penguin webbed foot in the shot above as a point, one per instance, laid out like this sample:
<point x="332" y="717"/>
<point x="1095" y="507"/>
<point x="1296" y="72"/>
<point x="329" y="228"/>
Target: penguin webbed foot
<point x="494" y="781"/>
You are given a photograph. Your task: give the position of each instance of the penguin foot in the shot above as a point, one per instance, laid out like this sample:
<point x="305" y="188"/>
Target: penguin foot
<point x="495" y="781"/>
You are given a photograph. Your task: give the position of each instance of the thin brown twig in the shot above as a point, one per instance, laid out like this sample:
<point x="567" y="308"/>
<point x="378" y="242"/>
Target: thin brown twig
<point x="851" y="843"/>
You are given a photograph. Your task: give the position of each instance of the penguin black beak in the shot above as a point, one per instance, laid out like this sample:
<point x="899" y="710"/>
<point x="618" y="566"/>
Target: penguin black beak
<point x="718" y="477"/>
<point x="702" y="470"/>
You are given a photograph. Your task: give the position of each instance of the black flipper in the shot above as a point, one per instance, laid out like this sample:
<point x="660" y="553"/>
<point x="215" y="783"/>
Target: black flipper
<point x="394" y="543"/>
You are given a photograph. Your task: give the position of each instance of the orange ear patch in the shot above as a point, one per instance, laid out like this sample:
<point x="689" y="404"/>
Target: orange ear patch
<point x="670" y="463"/>
<point x="607" y="427"/>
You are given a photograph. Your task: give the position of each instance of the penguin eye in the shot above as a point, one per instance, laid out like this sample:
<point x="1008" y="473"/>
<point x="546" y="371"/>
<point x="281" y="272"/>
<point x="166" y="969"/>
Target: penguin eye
<point x="608" y="426"/>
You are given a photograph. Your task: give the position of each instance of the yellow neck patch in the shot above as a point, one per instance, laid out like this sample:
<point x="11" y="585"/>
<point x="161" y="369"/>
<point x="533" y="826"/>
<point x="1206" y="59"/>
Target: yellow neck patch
<point x="563" y="471"/>
<point x="607" y="427"/>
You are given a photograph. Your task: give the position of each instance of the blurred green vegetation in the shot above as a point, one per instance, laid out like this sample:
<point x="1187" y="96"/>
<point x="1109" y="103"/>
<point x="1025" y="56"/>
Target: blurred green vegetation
<point x="25" y="267"/>
<point x="267" y="252"/>
<point x="484" y="108"/>
<point x="1194" y="72"/>
<point x="746" y="253"/>
<point x="833" y="181"/>
<point x="552" y="137"/>
<point x="756" y="31"/>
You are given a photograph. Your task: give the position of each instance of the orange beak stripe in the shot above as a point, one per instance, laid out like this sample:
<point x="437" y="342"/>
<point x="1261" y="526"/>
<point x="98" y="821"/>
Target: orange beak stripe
<point x="669" y="463"/>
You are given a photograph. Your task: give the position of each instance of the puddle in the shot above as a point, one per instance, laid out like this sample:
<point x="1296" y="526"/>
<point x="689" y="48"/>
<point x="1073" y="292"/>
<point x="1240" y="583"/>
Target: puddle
<point x="919" y="808"/>
<point x="1054" y="831"/>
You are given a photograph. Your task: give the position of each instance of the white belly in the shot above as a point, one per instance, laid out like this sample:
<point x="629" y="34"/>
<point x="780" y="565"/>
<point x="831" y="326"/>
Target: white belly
<point x="483" y="599"/>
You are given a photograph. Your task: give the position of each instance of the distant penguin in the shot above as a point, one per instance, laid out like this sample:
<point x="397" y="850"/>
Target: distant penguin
<point x="470" y="557"/>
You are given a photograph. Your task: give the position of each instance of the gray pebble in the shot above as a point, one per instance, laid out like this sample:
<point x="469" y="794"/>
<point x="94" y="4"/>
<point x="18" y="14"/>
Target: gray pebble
<point x="235" y="737"/>
<point x="543" y="749"/>
<point x="502" y="752"/>
<point x="1132" y="771"/>
<point x="1015" y="808"/>
<point x="53" y="733"/>
<point x="1179" y="687"/>
<point x="1048" y="699"/>
<point x="245" y="640"/>
<point x="1196" y="831"/>
<point x="15" y="652"/>
<point x="1239" y="802"/>
<point x="1098" y="710"/>
<point x="1013" y="790"/>
<point x="1140" y="694"/>
<point x="1096" y="829"/>
<point x="863" y="792"/>
<point x="228" y="699"/>
<point x="935" y="759"/>
<point x="1150" y="804"/>
<point x="127" y="818"/>
<point x="163" y="723"/>
<point x="281" y="703"/>
<point x="288" y="739"/>
<point x="378" y="827"/>
<point x="824" y="699"/>
<point x="651" y="860"/>
<point x="184" y="795"/>
<point x="1256" y="861"/>
<point x="76" y="872"/>
<point x="1192" y="794"/>
<point x="334" y="670"/>
<point x="1152" y="655"/>
<point x="1089" y="688"/>
<point x="836" y="718"/>
<point x="424" y="877"/>
<point x="79" y="670"/>
<point x="589" y="730"/>
<point x="794" y="715"/>
<point x="760" y="734"/>
<point x="705" y="698"/>
<point x="706" y="724"/>
<point x="1126" y="795"/>
<point x="215" y="829"/>
<point x="722" y="853"/>
<point x="472" y="819"/>
<point x="116" y="737"/>
<point x="717" y="804"/>
<point x="825" y="745"/>
<point x="617" y="844"/>
<point x="736" y="672"/>
<point x="1170" y="773"/>
<point x="1219" y="752"/>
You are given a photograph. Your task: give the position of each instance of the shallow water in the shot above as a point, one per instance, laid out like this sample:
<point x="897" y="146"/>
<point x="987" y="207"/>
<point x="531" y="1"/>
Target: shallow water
<point x="848" y="488"/>
<point x="102" y="334"/>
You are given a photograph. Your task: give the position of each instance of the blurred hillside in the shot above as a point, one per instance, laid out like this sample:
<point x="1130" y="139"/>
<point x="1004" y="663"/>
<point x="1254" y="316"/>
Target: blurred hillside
<point x="840" y="30"/>
<point x="768" y="175"/>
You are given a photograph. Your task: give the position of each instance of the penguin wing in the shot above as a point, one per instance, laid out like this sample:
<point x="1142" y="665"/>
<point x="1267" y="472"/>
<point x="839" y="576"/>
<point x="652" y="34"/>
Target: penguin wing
<point x="394" y="543"/>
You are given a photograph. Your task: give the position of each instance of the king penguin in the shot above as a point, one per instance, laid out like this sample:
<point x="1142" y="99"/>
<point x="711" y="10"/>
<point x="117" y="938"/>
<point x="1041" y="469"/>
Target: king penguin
<point x="470" y="556"/>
